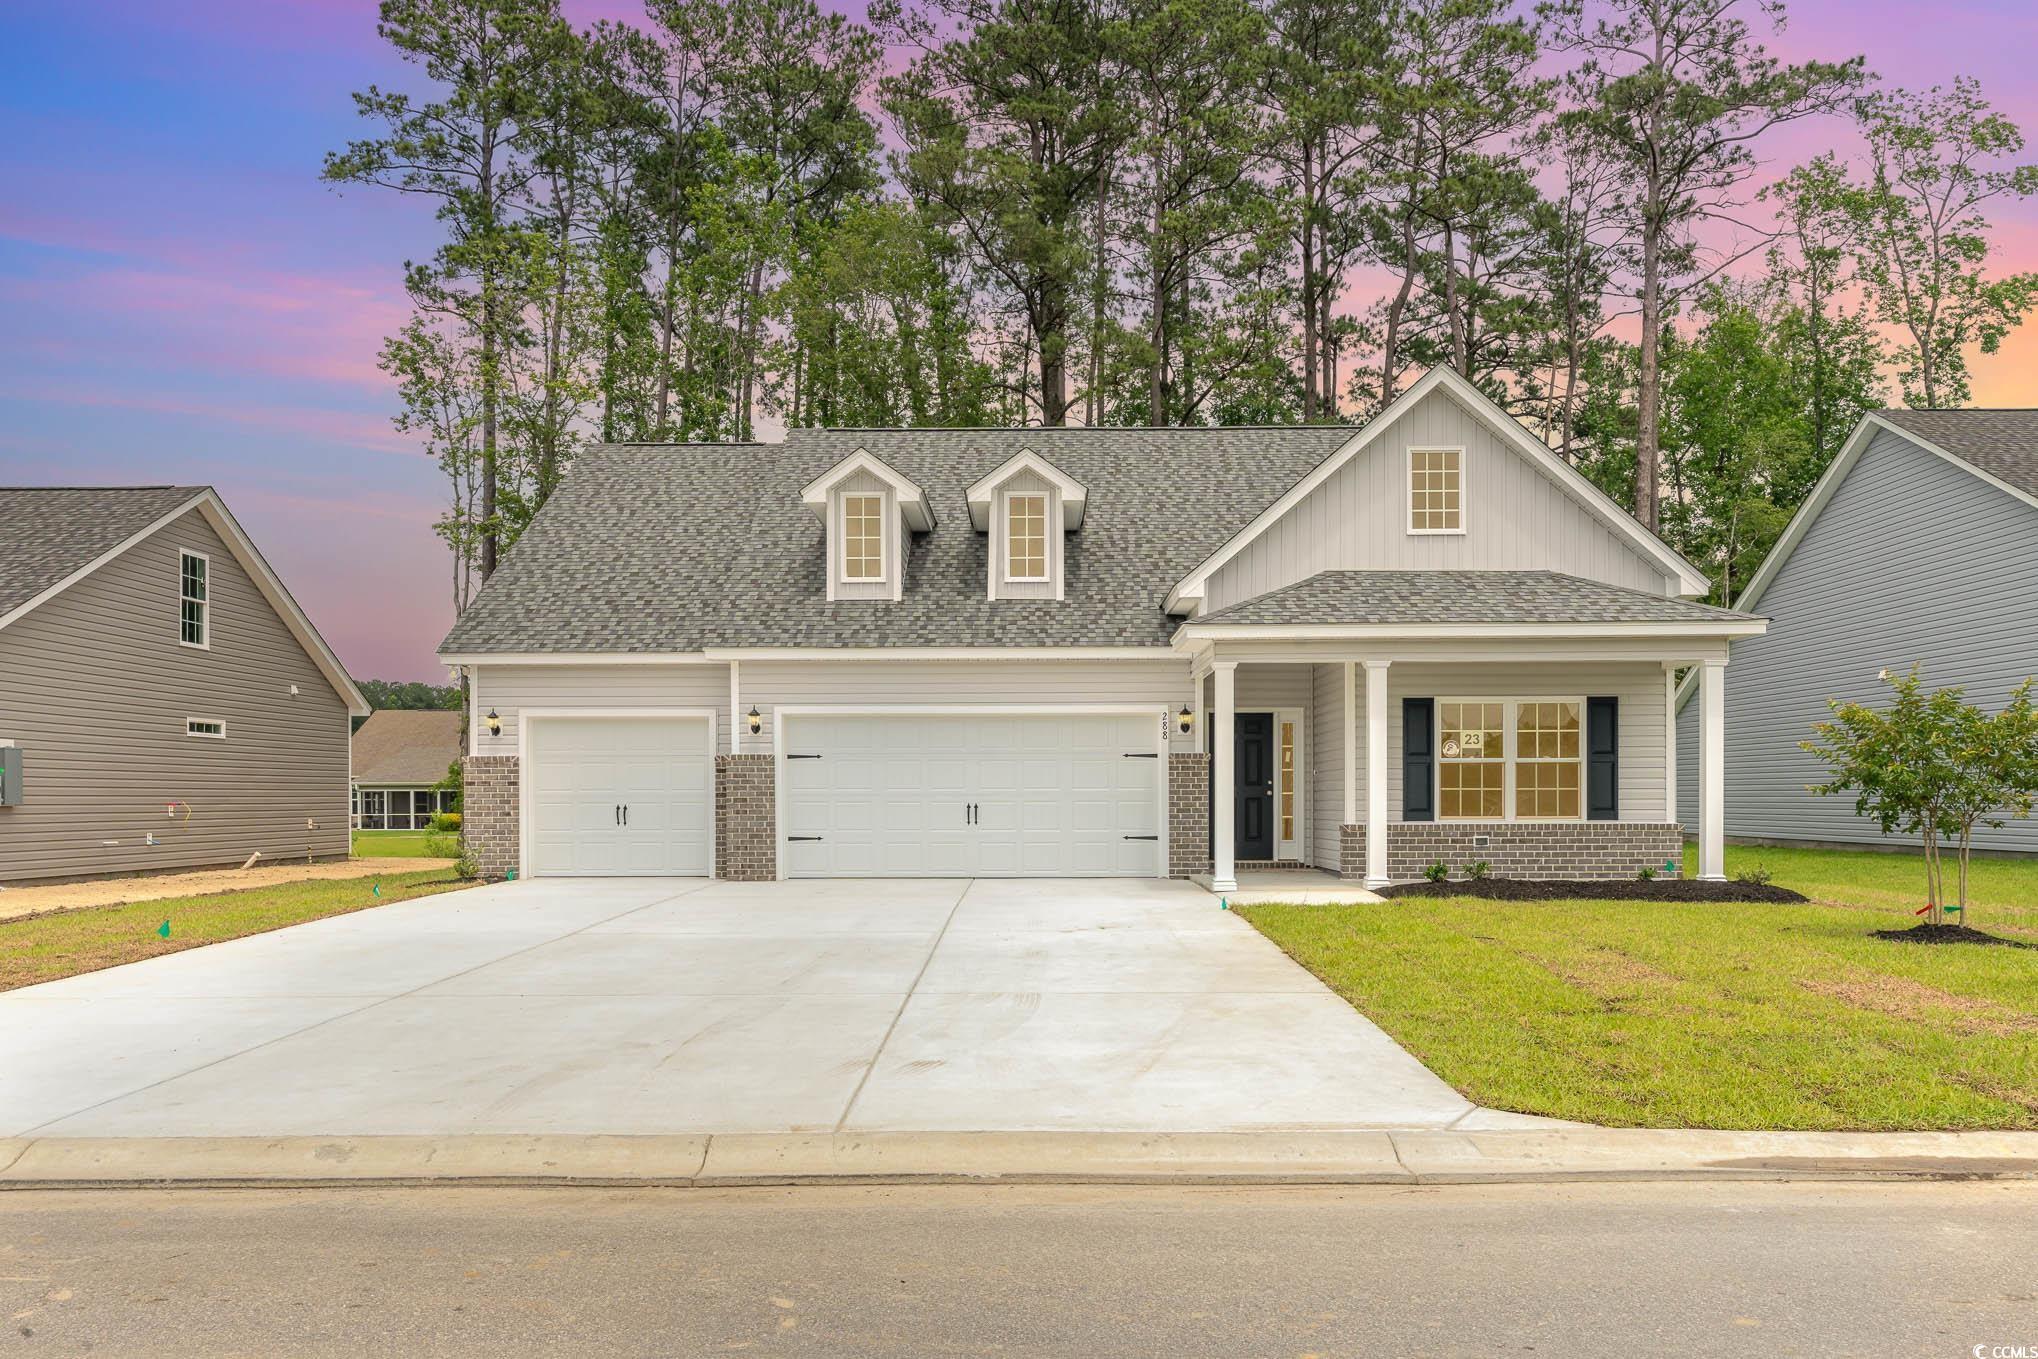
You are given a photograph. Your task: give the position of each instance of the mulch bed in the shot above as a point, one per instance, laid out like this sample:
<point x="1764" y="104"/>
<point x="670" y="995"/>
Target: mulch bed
<point x="1948" y="934"/>
<point x="1655" y="889"/>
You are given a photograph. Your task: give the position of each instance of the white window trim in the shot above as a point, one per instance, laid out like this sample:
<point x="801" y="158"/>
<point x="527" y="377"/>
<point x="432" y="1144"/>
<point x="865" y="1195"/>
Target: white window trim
<point x="1509" y="704"/>
<point x="1300" y="718"/>
<point x="883" y="539"/>
<point x="219" y="735"/>
<point x="1408" y="490"/>
<point x="204" y="643"/>
<point x="1046" y="539"/>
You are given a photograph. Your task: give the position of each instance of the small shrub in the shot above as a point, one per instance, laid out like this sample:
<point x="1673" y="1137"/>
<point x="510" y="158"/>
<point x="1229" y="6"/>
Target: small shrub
<point x="442" y="847"/>
<point x="1478" y="871"/>
<point x="1646" y="873"/>
<point x="1757" y="876"/>
<point x="1436" y="872"/>
<point x="446" y="823"/>
<point x="466" y="868"/>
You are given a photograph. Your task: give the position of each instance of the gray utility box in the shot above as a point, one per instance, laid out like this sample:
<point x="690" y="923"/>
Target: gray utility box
<point x="10" y="776"/>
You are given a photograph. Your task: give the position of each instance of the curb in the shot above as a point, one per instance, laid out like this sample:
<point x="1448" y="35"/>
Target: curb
<point x="725" y="1160"/>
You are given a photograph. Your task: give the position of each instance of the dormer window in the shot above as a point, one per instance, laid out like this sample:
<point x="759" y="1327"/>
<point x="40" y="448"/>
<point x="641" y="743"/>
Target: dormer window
<point x="863" y="537"/>
<point x="1026" y="537"/>
<point x="866" y="508"/>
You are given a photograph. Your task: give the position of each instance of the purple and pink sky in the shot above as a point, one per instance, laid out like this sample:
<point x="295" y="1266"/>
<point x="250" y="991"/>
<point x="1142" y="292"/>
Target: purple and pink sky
<point x="184" y="301"/>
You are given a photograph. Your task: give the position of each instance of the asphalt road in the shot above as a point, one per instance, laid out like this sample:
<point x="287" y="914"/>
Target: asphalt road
<point x="1571" y="1270"/>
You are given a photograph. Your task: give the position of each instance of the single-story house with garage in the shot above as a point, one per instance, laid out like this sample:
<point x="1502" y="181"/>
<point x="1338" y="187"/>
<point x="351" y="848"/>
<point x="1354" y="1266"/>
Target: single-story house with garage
<point x="1918" y="547"/>
<point x="400" y="759"/>
<point x="1085" y="652"/>
<point x="164" y="702"/>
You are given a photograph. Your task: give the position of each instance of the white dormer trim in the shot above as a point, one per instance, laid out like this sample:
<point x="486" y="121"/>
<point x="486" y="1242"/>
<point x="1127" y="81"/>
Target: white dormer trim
<point x="911" y="500"/>
<point x="1187" y="596"/>
<point x="1074" y="498"/>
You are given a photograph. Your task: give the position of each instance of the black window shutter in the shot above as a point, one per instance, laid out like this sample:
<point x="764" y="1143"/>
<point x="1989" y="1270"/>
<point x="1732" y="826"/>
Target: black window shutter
<point x="1602" y="759"/>
<point x="1418" y="759"/>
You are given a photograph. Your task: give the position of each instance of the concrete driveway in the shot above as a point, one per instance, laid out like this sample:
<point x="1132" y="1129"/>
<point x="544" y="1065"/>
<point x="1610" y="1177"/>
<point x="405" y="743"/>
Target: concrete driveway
<point x="640" y="1006"/>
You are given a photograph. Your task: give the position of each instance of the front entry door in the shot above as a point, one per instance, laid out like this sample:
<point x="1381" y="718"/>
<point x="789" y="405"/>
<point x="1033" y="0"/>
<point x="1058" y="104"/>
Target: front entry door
<point x="1252" y="793"/>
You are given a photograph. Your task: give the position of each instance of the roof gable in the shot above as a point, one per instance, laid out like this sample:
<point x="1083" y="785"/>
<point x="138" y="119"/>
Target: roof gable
<point x="397" y="745"/>
<point x="1190" y="589"/>
<point x="72" y="522"/>
<point x="912" y="500"/>
<point x="1074" y="496"/>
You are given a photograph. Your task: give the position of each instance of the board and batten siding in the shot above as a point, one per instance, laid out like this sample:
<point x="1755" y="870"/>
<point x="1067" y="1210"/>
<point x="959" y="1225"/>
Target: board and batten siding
<point x="1913" y="561"/>
<point x="509" y="689"/>
<point x="96" y="689"/>
<point x="1516" y="518"/>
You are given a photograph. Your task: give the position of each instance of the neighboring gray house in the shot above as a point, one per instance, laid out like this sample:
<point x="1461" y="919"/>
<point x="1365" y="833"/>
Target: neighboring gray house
<point x="164" y="702"/>
<point x="400" y="759"/>
<point x="1918" y="547"/>
<point x="1084" y="652"/>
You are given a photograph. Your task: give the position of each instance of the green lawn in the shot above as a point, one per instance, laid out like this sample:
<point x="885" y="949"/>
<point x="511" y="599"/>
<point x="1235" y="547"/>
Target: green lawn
<point x="378" y="844"/>
<point x="1722" y="1016"/>
<point x="43" y="948"/>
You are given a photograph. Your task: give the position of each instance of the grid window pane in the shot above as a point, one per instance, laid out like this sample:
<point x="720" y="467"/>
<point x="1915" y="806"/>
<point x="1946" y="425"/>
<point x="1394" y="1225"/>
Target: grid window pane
<point x="1472" y="755"/>
<point x="1473" y="790"/>
<point x="1287" y="780"/>
<point x="193" y="594"/>
<point x="1026" y="537"/>
<point x="1546" y="775"/>
<point x="1435" y="489"/>
<point x="863" y="537"/>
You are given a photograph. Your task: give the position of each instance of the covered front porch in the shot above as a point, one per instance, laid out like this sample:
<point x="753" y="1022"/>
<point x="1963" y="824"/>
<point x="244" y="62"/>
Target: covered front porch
<point x="1534" y="747"/>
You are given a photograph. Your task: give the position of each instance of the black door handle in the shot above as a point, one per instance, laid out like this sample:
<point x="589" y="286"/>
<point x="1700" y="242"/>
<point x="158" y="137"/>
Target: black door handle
<point x="617" y="812"/>
<point x="626" y="813"/>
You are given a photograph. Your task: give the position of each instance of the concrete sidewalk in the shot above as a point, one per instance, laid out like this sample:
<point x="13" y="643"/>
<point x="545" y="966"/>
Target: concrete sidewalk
<point x="712" y="1160"/>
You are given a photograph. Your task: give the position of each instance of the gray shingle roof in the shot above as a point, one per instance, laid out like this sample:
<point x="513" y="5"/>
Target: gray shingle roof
<point x="2002" y="443"/>
<point x="52" y="531"/>
<point x="1396" y="597"/>
<point x="397" y="745"/>
<point x="673" y="547"/>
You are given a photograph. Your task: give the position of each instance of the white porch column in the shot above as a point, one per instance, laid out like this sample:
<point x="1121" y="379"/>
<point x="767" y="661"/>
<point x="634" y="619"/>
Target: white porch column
<point x="1224" y="861"/>
<point x="737" y="727"/>
<point x="1376" y="774"/>
<point x="1351" y="816"/>
<point x="1670" y="741"/>
<point x="1712" y="772"/>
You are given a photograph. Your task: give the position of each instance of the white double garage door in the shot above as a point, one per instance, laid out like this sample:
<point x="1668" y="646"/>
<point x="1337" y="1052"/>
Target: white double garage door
<point x="866" y="794"/>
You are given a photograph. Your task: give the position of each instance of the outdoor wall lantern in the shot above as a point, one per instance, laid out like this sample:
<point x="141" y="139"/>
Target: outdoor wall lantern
<point x="1186" y="718"/>
<point x="494" y="723"/>
<point x="756" y="720"/>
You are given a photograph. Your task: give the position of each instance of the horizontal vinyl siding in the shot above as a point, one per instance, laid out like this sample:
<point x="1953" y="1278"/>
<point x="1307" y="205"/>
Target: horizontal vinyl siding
<point x="509" y="689"/>
<point x="1914" y="561"/>
<point x="96" y="689"/>
<point x="1638" y="687"/>
<point x="1516" y="518"/>
<point x="1159" y="683"/>
<point x="1327" y="764"/>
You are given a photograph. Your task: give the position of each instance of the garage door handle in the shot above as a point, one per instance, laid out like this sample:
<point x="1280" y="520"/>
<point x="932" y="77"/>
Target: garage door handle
<point x="803" y="757"/>
<point x="1142" y="755"/>
<point x="803" y="837"/>
<point x="626" y="813"/>
<point x="1142" y="837"/>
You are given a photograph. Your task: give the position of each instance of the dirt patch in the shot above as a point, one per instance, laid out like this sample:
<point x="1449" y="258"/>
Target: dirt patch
<point x="73" y="896"/>
<point x="1902" y="998"/>
<point x="1610" y="974"/>
<point x="1947" y="934"/>
<point x="1656" y="889"/>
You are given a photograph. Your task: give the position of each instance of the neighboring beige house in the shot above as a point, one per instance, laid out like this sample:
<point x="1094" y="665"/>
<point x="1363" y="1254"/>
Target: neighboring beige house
<point x="400" y="758"/>
<point x="165" y="702"/>
<point x="1086" y="652"/>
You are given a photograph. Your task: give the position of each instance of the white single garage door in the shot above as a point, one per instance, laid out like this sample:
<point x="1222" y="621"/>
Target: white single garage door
<point x="619" y="796"/>
<point x="980" y="795"/>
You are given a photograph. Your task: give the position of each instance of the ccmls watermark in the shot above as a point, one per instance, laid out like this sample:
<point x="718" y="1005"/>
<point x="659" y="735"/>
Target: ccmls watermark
<point x="2024" y="1351"/>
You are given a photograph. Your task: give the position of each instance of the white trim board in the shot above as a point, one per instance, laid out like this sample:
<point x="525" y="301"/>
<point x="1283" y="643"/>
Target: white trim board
<point x="1694" y="582"/>
<point x="222" y="522"/>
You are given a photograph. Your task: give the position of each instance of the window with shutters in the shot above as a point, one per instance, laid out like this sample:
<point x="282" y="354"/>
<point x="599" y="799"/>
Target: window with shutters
<point x="1504" y="759"/>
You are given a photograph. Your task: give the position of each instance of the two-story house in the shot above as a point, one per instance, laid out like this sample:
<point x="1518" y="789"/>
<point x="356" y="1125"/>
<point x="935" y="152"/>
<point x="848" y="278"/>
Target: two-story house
<point x="1087" y="652"/>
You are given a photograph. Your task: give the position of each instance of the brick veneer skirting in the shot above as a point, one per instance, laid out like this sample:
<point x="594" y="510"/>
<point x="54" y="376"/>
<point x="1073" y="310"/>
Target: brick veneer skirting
<point x="488" y="814"/>
<point x="1527" y="849"/>
<point x="1188" y="814"/>
<point x="746" y="818"/>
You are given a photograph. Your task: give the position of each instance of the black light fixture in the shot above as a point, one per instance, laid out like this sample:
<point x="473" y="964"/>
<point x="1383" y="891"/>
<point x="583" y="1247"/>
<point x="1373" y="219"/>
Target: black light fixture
<point x="756" y="720"/>
<point x="494" y="722"/>
<point x="1186" y="718"/>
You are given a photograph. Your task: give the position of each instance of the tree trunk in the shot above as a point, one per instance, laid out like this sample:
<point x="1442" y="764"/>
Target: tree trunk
<point x="1157" y="290"/>
<point x="1649" y="412"/>
<point x="1308" y="282"/>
